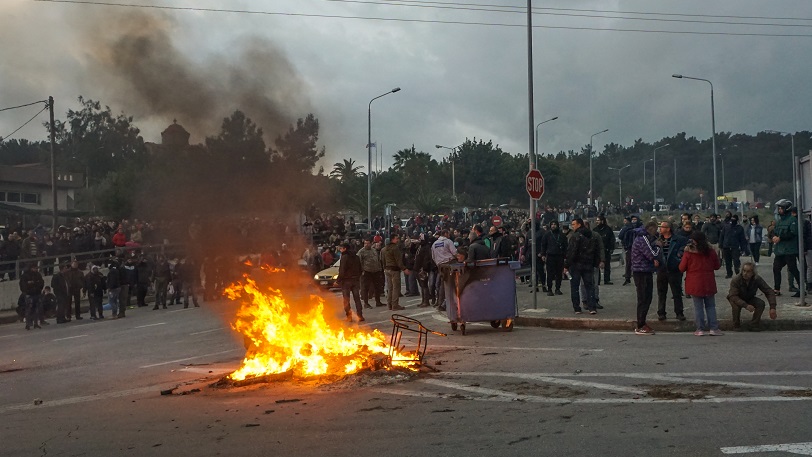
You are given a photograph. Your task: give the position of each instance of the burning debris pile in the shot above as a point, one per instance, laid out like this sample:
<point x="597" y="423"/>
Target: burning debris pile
<point x="288" y="335"/>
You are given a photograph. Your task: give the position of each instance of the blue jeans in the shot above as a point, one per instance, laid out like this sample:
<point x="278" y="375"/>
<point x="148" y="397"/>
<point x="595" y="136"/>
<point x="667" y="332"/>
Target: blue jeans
<point x="702" y="306"/>
<point x="113" y="296"/>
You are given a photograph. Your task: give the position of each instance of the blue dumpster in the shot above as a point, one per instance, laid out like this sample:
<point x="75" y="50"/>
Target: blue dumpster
<point x="481" y="292"/>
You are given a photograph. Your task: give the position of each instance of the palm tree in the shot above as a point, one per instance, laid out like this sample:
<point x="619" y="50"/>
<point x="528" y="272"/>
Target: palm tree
<point x="346" y="171"/>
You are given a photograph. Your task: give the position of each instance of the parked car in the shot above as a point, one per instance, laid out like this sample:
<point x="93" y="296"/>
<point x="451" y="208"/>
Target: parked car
<point x="328" y="278"/>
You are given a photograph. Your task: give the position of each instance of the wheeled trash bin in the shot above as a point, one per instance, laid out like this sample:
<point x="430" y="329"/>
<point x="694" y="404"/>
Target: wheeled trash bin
<point x="484" y="291"/>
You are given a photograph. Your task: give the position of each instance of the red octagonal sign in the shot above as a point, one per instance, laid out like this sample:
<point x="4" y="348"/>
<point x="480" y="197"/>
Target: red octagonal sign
<point x="534" y="183"/>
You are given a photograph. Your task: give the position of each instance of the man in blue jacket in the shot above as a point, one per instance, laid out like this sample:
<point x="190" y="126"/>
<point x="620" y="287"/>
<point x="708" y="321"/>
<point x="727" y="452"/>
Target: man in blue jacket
<point x="668" y="274"/>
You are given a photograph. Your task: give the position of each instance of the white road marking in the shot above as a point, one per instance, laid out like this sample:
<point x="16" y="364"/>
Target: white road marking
<point x="70" y="338"/>
<point x="795" y="448"/>
<point x="189" y="358"/>
<point x="73" y="400"/>
<point x="512" y="348"/>
<point x="410" y="315"/>
<point x="150" y="325"/>
<point x="206" y="331"/>
<point x="179" y="310"/>
<point x="553" y="380"/>
<point x="9" y="336"/>
<point x="202" y="370"/>
<point x="745" y="385"/>
<point x="505" y="396"/>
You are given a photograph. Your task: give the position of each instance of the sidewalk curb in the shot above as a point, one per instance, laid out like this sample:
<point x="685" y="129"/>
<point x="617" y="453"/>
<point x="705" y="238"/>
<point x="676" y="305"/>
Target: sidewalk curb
<point x="574" y="323"/>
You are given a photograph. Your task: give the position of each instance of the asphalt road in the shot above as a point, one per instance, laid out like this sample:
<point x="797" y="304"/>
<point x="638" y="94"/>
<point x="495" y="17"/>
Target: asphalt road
<point x="532" y="391"/>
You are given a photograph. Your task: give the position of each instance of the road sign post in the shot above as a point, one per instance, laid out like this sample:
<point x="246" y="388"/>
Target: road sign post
<point x="534" y="184"/>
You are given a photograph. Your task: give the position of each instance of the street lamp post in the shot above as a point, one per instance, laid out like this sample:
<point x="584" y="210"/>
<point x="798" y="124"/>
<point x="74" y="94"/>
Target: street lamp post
<point x="453" y="176"/>
<point x="620" y="183"/>
<point x="722" y="158"/>
<point x="713" y="139"/>
<point x="369" y="154"/>
<point x="654" y="173"/>
<point x="591" y="197"/>
<point x="537" y="139"/>
<point x="644" y="170"/>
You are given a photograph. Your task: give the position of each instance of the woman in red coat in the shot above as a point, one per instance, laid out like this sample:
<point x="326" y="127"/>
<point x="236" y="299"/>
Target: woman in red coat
<point x="699" y="262"/>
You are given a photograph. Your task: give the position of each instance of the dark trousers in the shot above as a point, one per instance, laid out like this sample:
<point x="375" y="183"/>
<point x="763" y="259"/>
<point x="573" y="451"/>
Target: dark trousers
<point x="555" y="271"/>
<point x="644" y="285"/>
<point x="628" y="272"/>
<point x="96" y="306"/>
<point x="123" y="299"/>
<point x="178" y="287"/>
<point x="351" y="287"/>
<point x="755" y="251"/>
<point x="62" y="308"/>
<point x="33" y="310"/>
<point x="75" y="297"/>
<point x="666" y="279"/>
<point x="607" y="269"/>
<point x="423" y="281"/>
<point x="411" y="283"/>
<point x="141" y="294"/>
<point x="370" y="288"/>
<point x="541" y="272"/>
<point x="756" y="320"/>
<point x="587" y="277"/>
<point x="732" y="258"/>
<point x="790" y="260"/>
<point x="160" y="291"/>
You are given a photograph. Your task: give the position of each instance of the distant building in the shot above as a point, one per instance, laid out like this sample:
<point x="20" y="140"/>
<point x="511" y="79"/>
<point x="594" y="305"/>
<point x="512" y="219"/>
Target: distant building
<point x="174" y="138"/>
<point x="29" y="186"/>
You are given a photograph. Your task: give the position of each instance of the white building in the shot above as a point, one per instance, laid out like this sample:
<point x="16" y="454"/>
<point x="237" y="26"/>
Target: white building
<point x="29" y="186"/>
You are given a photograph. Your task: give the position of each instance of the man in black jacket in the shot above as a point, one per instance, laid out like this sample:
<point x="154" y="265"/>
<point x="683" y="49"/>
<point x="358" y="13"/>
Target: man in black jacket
<point x="581" y="261"/>
<point x="552" y="251"/>
<point x="349" y="277"/>
<point x="59" y="286"/>
<point x="31" y="284"/>
<point x="608" y="238"/>
<point x="733" y="243"/>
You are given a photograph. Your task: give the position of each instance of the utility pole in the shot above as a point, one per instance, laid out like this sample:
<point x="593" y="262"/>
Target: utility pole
<point x="53" y="161"/>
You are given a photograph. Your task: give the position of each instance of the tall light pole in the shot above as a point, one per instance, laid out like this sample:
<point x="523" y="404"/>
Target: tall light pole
<point x="620" y="183"/>
<point x="453" y="159"/>
<point x="369" y="154"/>
<point x="713" y="139"/>
<point x="644" y="170"/>
<point x="722" y="158"/>
<point x="537" y="139"/>
<point x="654" y="173"/>
<point x="591" y="197"/>
<point x="531" y="121"/>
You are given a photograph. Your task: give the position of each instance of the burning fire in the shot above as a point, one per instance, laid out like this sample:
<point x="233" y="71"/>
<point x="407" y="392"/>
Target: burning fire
<point x="279" y="340"/>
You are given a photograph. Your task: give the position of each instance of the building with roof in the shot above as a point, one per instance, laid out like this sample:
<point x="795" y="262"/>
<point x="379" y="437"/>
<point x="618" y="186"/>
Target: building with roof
<point x="29" y="187"/>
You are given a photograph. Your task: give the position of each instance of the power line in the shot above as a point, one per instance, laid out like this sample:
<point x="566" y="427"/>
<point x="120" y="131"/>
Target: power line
<point x="423" y="21"/>
<point x="27" y="104"/>
<point x="3" y="138"/>
<point x="577" y="13"/>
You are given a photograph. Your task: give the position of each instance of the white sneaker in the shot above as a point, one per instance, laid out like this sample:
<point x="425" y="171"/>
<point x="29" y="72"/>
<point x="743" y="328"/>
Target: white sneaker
<point x="699" y="333"/>
<point x="716" y="333"/>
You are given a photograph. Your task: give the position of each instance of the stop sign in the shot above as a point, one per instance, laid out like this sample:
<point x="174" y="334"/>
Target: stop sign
<point x="534" y="183"/>
<point x="496" y="221"/>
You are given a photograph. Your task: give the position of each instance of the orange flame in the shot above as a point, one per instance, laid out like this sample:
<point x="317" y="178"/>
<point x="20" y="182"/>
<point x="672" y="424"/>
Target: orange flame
<point x="279" y="340"/>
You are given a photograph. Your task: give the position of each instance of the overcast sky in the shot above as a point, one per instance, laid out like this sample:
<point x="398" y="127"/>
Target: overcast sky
<point x="458" y="81"/>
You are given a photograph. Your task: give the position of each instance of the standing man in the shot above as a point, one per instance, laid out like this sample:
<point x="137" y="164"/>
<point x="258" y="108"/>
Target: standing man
<point x="95" y="288"/>
<point x="392" y="267"/>
<point x="145" y="274"/>
<point x="786" y="245"/>
<point x="76" y="282"/>
<point x="668" y="274"/>
<point x="713" y="230"/>
<point x="552" y="251"/>
<point x="443" y="252"/>
<point x="114" y="289"/>
<point x="580" y="262"/>
<point x="163" y="274"/>
<point x="31" y="284"/>
<point x="645" y="259"/>
<point x="733" y="243"/>
<point x="608" y="238"/>
<point x="370" y="268"/>
<point x="59" y="286"/>
<point x="626" y="236"/>
<point x="349" y="278"/>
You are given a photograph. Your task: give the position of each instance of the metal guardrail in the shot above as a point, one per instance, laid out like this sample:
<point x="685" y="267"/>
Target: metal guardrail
<point x="12" y="268"/>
